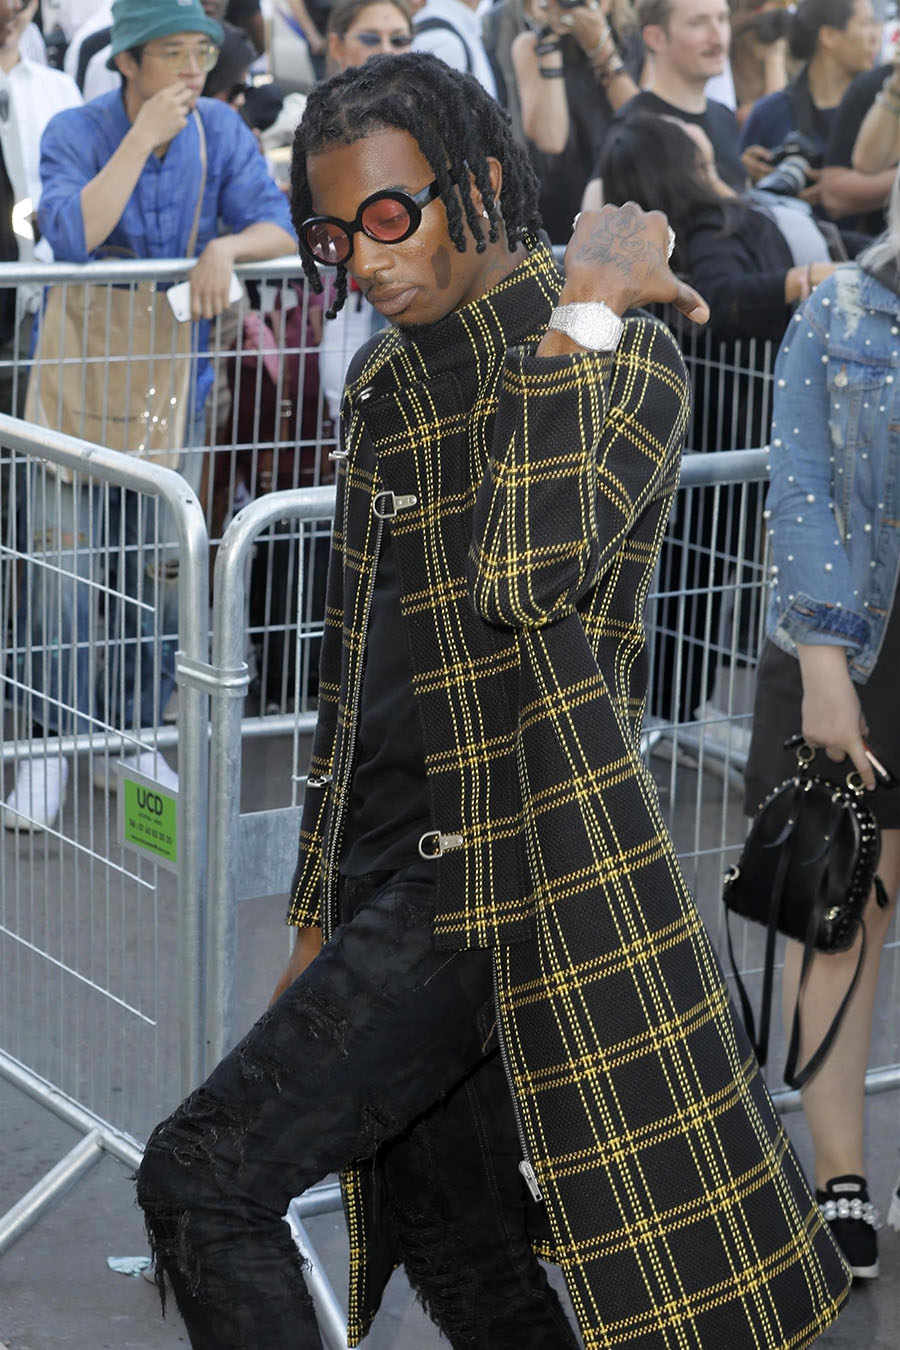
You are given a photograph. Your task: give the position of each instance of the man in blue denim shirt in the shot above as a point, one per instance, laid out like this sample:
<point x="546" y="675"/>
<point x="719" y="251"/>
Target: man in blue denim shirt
<point x="123" y="172"/>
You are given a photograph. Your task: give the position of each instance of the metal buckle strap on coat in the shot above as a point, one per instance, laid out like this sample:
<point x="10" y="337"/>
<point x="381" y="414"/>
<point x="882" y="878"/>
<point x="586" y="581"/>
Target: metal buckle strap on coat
<point x="434" y="844"/>
<point x="385" y="505"/>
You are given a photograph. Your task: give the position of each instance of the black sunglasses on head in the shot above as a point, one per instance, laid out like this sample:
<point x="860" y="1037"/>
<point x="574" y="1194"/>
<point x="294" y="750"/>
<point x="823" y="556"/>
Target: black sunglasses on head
<point x="388" y="217"/>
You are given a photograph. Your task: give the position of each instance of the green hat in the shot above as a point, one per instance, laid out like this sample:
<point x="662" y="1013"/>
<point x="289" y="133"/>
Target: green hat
<point x="135" y="22"/>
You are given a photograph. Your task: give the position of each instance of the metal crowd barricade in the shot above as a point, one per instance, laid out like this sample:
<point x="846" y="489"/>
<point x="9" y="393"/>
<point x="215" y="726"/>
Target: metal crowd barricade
<point x="267" y="424"/>
<point x="88" y="915"/>
<point x="252" y="855"/>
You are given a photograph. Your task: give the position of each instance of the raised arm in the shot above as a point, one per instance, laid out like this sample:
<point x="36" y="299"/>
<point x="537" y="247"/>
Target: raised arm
<point x="583" y="439"/>
<point x="877" y="146"/>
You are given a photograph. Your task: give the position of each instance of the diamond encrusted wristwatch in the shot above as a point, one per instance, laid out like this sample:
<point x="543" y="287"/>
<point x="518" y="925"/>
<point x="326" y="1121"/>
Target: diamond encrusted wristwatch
<point x="591" y="324"/>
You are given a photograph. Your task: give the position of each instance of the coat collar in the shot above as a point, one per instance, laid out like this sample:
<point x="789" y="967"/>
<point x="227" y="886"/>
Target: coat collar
<point x="514" y="312"/>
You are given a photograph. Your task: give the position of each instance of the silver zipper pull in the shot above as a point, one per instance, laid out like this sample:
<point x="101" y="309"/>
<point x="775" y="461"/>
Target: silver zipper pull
<point x="531" y="1180"/>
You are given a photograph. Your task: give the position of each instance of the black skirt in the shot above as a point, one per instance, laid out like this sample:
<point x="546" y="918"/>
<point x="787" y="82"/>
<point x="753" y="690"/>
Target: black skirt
<point x="776" y="717"/>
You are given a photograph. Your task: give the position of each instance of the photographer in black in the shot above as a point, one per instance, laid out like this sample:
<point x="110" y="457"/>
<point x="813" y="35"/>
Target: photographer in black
<point x="836" y="40"/>
<point x="581" y="64"/>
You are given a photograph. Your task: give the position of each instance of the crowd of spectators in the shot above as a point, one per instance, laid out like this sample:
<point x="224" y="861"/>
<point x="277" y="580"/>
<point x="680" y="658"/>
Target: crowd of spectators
<point x="790" y="100"/>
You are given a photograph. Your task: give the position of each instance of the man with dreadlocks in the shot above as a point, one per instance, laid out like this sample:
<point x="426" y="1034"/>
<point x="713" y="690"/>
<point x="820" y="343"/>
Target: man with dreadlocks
<point x="516" y="1036"/>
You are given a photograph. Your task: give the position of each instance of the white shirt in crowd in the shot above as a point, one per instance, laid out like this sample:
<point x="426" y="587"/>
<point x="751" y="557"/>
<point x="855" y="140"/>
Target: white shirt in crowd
<point x="35" y="93"/>
<point x="68" y="15"/>
<point x="31" y="45"/>
<point x="446" y="45"/>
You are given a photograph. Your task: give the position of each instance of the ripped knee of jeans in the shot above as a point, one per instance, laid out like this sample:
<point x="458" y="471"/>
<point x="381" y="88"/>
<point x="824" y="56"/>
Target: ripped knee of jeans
<point x="440" y="1273"/>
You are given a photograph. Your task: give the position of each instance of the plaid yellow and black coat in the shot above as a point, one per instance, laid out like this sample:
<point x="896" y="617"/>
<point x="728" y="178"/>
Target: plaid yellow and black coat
<point x="527" y="498"/>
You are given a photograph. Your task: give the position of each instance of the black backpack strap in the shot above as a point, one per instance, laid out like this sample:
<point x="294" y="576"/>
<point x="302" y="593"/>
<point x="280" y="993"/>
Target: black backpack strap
<point x="761" y="1045"/>
<point x="429" y="25"/>
<point x="792" y="1076"/>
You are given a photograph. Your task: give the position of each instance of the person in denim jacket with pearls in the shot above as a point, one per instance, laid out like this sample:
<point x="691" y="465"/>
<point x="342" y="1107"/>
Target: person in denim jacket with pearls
<point x="829" y="665"/>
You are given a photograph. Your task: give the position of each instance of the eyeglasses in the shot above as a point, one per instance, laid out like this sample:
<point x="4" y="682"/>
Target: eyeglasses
<point x="179" y="58"/>
<point x="388" y="217"/>
<point x="399" y="41"/>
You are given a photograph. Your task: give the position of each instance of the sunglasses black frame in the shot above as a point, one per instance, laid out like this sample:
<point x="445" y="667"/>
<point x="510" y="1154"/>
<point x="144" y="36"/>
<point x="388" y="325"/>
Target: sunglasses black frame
<point x="413" y="203"/>
<point x="399" y="41"/>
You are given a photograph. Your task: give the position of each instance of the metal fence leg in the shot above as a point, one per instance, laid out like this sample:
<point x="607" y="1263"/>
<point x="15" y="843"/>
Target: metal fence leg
<point x="51" y="1188"/>
<point x="330" y="1315"/>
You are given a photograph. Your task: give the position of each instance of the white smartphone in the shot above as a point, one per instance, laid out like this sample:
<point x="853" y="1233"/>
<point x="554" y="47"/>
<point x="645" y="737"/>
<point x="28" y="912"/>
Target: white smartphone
<point x="179" y="297"/>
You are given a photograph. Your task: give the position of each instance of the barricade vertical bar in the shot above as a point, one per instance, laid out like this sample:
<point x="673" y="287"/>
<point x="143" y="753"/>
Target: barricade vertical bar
<point x="229" y="680"/>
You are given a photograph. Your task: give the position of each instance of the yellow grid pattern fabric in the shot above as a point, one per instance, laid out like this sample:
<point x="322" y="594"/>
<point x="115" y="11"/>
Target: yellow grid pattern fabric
<point x="536" y="491"/>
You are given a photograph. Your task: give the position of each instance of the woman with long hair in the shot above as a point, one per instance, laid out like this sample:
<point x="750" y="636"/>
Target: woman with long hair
<point x="751" y="261"/>
<point x="752" y="258"/>
<point x="829" y="666"/>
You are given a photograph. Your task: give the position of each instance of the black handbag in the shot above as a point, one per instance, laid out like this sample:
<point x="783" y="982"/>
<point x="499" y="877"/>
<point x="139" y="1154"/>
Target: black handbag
<point x="806" y="870"/>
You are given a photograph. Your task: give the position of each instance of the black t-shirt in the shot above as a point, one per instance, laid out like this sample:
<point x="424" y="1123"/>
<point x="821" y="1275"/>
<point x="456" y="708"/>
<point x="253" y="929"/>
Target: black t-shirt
<point x="719" y="123"/>
<point x="563" y="177"/>
<point x="848" y="119"/>
<point x="239" y="11"/>
<point x="389" y="810"/>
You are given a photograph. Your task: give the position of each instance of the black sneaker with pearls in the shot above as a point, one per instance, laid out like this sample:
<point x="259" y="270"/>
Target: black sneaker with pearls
<point x="854" y="1221"/>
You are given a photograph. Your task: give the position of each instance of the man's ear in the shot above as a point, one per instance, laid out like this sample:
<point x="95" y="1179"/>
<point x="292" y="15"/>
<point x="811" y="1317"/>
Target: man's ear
<point x="495" y="175"/>
<point x="654" y="36"/>
<point x="126" y="65"/>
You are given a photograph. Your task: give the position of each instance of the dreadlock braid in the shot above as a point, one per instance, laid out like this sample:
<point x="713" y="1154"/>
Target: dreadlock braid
<point x="456" y="125"/>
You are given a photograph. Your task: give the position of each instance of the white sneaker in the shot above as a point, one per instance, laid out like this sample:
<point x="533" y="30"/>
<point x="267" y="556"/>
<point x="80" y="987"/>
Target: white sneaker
<point x="893" y="1217"/>
<point x="149" y="762"/>
<point x="38" y="795"/>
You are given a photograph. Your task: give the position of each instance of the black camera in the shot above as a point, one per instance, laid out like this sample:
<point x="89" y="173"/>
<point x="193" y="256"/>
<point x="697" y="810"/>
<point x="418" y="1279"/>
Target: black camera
<point x="793" y="163"/>
<point x="570" y="4"/>
<point x="771" y="26"/>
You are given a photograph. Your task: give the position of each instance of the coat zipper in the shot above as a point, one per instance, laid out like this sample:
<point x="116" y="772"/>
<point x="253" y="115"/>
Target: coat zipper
<point x="525" y="1166"/>
<point x="328" y="898"/>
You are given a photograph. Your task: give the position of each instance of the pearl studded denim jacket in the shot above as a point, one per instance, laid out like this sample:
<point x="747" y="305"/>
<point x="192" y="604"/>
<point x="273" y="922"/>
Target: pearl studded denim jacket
<point x="834" y="498"/>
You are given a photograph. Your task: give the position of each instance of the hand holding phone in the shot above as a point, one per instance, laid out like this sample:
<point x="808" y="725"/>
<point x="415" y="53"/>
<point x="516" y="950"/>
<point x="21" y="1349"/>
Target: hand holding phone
<point x="179" y="297"/>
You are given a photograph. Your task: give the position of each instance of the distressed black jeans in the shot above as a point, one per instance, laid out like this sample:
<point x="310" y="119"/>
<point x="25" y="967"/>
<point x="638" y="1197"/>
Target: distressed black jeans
<point x="383" y="1043"/>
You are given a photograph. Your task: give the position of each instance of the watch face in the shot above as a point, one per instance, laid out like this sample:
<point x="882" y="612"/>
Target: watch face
<point x="592" y="325"/>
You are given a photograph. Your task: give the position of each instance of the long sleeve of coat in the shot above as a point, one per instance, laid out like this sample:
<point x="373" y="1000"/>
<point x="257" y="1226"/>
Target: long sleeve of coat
<point x="582" y="444"/>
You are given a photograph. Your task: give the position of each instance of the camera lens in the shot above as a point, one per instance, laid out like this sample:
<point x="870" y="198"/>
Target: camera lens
<point x="788" y="179"/>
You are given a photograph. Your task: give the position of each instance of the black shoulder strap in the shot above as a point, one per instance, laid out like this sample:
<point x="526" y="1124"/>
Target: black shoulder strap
<point x="92" y="44"/>
<point x="429" y="25"/>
